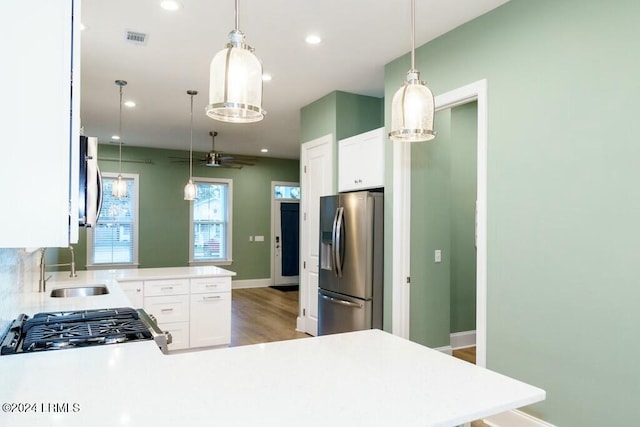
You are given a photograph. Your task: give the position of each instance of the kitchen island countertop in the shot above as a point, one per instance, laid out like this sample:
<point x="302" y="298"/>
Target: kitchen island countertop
<point x="366" y="378"/>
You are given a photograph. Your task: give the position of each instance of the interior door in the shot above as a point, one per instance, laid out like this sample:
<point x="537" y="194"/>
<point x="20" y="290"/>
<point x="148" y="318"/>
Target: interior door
<point x="286" y="243"/>
<point x="316" y="181"/>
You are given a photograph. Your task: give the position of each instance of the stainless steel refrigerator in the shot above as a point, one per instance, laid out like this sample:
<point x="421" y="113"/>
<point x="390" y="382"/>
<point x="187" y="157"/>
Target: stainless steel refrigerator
<point x="350" y="282"/>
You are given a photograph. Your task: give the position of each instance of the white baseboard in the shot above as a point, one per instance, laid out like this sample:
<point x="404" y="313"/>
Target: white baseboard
<point x="462" y="339"/>
<point x="251" y="283"/>
<point x="515" y="418"/>
<point x="446" y="349"/>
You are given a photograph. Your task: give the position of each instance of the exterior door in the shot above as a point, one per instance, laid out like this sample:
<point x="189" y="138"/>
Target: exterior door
<point x="286" y="242"/>
<point x="316" y="174"/>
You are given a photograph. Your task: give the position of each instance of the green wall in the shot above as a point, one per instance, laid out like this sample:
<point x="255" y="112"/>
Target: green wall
<point x="164" y="215"/>
<point x="443" y="194"/>
<point x="563" y="200"/>
<point x="342" y="115"/>
<point x="464" y="148"/>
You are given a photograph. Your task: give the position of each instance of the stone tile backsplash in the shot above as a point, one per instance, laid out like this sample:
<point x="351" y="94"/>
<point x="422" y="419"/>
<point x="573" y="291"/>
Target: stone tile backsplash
<point x="18" y="269"/>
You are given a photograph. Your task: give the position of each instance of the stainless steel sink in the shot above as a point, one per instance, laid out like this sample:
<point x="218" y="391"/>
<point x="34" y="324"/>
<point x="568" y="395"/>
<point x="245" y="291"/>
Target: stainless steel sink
<point x="83" y="291"/>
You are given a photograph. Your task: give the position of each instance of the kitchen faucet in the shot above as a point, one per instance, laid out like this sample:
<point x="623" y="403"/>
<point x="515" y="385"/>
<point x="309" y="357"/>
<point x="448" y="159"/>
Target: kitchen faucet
<point x="42" y="283"/>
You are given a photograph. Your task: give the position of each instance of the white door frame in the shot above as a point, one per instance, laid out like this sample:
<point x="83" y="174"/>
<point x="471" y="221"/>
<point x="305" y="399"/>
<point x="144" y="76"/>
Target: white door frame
<point x="476" y="91"/>
<point x="275" y="206"/>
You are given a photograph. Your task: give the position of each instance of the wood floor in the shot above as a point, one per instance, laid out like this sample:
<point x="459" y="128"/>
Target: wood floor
<point x="261" y="315"/>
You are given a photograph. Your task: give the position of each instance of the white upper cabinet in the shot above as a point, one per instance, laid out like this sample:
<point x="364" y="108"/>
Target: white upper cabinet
<point x="361" y="161"/>
<point x="40" y="121"/>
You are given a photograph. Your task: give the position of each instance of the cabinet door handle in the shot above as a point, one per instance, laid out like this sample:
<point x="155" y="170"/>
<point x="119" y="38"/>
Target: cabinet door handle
<point x="166" y="288"/>
<point x="211" y="297"/>
<point x="166" y="310"/>
<point x="138" y="289"/>
<point x="211" y="286"/>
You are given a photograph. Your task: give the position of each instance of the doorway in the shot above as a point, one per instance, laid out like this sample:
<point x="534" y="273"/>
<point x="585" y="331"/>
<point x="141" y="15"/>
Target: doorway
<point x="285" y="232"/>
<point x="443" y="252"/>
<point x="401" y="211"/>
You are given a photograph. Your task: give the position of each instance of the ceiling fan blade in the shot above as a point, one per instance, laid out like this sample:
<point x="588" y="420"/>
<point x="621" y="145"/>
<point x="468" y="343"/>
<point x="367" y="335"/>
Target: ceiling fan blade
<point x="238" y="162"/>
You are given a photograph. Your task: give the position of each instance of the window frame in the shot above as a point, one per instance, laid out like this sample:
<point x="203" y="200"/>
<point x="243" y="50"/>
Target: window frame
<point x="229" y="222"/>
<point x="136" y="220"/>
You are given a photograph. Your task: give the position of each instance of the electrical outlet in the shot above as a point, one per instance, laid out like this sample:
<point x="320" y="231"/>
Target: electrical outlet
<point x="259" y="238"/>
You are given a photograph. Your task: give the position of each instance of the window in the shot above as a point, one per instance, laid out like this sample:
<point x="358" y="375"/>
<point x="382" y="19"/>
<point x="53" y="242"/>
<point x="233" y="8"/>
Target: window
<point x="114" y="240"/>
<point x="284" y="191"/>
<point x="210" y="221"/>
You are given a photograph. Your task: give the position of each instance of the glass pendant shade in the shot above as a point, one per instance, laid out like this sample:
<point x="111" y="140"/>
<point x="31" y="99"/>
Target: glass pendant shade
<point x="235" y="83"/>
<point x="190" y="191"/>
<point x="412" y="111"/>
<point x="119" y="189"/>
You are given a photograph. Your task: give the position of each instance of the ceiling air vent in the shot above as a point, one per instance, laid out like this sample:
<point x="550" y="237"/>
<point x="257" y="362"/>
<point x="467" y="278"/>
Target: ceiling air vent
<point x="136" y="38"/>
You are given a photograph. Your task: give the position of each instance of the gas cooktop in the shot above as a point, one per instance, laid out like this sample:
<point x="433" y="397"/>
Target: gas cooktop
<point x="83" y="328"/>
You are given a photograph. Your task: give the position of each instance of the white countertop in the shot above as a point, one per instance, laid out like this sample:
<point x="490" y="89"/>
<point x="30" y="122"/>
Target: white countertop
<point x="367" y="378"/>
<point x="35" y="302"/>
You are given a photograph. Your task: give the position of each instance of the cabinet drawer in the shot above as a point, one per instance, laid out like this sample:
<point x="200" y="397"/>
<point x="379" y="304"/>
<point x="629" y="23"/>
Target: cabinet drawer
<point x="167" y="309"/>
<point x="210" y="284"/>
<point x="179" y="334"/>
<point x="166" y="287"/>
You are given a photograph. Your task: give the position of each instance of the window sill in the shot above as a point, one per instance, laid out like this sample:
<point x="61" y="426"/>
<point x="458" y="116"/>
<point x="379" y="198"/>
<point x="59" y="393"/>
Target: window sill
<point x="112" y="266"/>
<point x="209" y="262"/>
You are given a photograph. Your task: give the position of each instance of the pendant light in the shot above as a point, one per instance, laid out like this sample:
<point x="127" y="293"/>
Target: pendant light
<point x="412" y="108"/>
<point x="235" y="82"/>
<point x="190" y="190"/>
<point x="119" y="189"/>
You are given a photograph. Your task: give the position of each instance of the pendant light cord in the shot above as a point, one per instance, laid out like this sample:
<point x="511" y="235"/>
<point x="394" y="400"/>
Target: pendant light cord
<point x="191" y="144"/>
<point x="237" y="26"/>
<point x="120" y="135"/>
<point x="413" y="35"/>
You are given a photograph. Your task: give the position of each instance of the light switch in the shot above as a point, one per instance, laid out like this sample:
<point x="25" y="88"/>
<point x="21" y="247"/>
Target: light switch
<point x="259" y="238"/>
<point x="437" y="256"/>
<point x="251" y="238"/>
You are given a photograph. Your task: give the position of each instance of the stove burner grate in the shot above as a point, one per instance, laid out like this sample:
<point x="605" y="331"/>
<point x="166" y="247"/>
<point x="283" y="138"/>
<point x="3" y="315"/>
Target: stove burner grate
<point x="49" y="331"/>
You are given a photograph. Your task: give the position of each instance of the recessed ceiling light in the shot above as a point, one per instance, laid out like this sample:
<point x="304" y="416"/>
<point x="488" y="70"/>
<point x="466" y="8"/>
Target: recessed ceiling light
<point x="264" y="150"/>
<point x="129" y="104"/>
<point x="170" y="5"/>
<point x="266" y="77"/>
<point x="313" y="39"/>
<point x="115" y="137"/>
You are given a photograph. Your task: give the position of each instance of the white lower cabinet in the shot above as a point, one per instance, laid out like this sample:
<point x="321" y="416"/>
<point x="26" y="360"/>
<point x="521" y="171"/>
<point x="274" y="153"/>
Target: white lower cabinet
<point x="197" y="311"/>
<point x="134" y="291"/>
<point x="210" y="324"/>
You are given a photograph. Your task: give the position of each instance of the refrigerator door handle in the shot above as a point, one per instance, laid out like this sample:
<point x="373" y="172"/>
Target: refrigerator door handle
<point x="341" y="301"/>
<point x="337" y="243"/>
<point x="333" y="243"/>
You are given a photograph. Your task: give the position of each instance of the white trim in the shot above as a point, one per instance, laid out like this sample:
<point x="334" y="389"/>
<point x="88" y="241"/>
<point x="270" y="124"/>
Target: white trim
<point x="445" y="349"/>
<point x="401" y="238"/>
<point x="476" y="91"/>
<point x="251" y="283"/>
<point x="274" y="205"/>
<point x="515" y="418"/>
<point x="111" y="266"/>
<point x="464" y="339"/>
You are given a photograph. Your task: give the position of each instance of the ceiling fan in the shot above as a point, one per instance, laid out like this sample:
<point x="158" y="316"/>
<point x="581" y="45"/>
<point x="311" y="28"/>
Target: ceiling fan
<point x="219" y="159"/>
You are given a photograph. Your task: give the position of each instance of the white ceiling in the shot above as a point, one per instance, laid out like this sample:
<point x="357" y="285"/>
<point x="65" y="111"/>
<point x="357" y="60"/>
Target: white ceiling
<point x="359" y="38"/>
